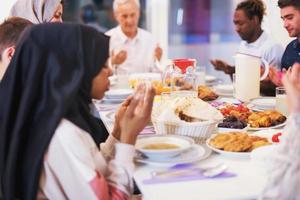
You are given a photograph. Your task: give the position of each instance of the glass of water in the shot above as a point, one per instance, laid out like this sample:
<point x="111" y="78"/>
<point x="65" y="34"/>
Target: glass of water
<point x="281" y="101"/>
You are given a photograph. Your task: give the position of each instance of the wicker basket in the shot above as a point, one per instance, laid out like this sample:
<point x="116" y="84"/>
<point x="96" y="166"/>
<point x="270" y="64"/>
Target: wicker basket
<point x="199" y="131"/>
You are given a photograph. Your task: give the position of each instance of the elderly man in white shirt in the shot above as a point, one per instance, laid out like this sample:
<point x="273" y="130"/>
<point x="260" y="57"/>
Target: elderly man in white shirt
<point x="132" y="49"/>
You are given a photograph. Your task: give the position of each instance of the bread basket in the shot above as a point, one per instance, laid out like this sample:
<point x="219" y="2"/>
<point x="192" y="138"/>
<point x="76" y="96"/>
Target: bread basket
<point x="199" y="131"/>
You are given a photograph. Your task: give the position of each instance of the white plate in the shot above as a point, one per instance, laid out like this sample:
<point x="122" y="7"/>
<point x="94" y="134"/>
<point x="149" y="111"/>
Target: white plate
<point x="233" y="154"/>
<point x="254" y="108"/>
<point x="183" y="143"/>
<point x="118" y="93"/>
<point x="265" y="128"/>
<point x="194" y="154"/>
<point x="225" y="89"/>
<point x="267" y="133"/>
<point x="230" y="94"/>
<point x="264" y="102"/>
<point x="209" y="78"/>
<point x="224" y="130"/>
<point x="112" y="101"/>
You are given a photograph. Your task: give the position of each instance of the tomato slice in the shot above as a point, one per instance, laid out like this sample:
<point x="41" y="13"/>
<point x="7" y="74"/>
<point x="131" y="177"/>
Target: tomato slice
<point x="275" y="137"/>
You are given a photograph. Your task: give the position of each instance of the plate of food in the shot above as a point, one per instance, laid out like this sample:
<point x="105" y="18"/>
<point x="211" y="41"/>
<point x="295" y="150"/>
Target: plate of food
<point x="236" y="144"/>
<point x="265" y="120"/>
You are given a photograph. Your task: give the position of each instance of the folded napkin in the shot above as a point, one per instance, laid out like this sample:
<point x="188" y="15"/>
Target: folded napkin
<point x="147" y="130"/>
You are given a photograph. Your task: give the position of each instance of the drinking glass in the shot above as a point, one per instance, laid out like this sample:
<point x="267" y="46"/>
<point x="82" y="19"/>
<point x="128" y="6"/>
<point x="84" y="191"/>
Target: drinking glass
<point x="200" y="76"/>
<point x="281" y="101"/>
<point x="122" y="80"/>
<point x="233" y="83"/>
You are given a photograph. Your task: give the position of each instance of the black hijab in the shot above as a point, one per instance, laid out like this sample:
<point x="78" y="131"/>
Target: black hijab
<point x="49" y="78"/>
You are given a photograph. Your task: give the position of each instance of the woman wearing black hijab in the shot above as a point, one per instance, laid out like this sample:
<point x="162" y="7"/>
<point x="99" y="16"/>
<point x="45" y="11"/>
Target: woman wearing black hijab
<point x="46" y="130"/>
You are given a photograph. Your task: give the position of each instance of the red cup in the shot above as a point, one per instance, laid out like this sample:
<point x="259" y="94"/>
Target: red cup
<point x="184" y="63"/>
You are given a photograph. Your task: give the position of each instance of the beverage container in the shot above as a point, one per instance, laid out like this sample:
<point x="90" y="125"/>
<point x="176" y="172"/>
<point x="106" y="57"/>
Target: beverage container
<point x="184" y="63"/>
<point x="122" y="81"/>
<point x="247" y="76"/>
<point x="281" y="101"/>
<point x="200" y="76"/>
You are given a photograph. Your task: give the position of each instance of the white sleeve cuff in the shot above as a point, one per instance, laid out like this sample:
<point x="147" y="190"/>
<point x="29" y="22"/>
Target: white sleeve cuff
<point x="108" y="148"/>
<point x="124" y="152"/>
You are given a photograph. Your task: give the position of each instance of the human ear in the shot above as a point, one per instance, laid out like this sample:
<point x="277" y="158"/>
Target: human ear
<point x="10" y="51"/>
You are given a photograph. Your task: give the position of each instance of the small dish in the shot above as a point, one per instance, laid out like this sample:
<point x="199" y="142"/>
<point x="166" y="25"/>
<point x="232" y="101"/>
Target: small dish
<point x="209" y="78"/>
<point x="118" y="93"/>
<point x="194" y="154"/>
<point x="264" y="103"/>
<point x="162" y="146"/>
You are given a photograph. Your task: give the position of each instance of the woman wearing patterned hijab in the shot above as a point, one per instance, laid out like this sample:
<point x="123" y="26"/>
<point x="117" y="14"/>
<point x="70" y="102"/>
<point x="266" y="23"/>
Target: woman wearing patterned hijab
<point x="47" y="134"/>
<point x="38" y="11"/>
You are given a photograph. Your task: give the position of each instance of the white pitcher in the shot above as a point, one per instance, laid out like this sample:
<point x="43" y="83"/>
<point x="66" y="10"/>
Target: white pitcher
<point x="247" y="76"/>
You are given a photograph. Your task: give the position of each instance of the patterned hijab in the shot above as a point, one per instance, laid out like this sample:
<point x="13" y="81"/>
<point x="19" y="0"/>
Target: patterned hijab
<point x="36" y="11"/>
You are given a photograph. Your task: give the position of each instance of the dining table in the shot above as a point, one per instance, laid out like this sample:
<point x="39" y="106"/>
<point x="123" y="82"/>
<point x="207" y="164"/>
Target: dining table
<point x="247" y="181"/>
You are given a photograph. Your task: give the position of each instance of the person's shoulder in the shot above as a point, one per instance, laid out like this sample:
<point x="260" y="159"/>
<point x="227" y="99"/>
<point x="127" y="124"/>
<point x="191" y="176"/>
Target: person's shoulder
<point x="111" y="31"/>
<point x="269" y="44"/>
<point x="68" y="133"/>
<point x="145" y="33"/>
<point x="269" y="40"/>
<point x="292" y="44"/>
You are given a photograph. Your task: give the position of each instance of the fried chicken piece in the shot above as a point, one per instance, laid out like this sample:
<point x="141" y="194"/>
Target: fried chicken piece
<point x="222" y="139"/>
<point x="238" y="145"/>
<point x="265" y="121"/>
<point x="277" y="117"/>
<point x="206" y="94"/>
<point x="254" y="124"/>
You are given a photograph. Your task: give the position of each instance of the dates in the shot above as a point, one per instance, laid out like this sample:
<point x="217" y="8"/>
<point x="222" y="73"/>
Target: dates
<point x="232" y="122"/>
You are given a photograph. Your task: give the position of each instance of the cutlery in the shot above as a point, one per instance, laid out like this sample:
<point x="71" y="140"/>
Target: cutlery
<point x="209" y="172"/>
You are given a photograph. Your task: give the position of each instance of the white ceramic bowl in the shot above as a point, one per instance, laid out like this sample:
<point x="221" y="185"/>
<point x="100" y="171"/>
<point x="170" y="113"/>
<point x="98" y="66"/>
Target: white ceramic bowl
<point x="182" y="143"/>
<point x="118" y="93"/>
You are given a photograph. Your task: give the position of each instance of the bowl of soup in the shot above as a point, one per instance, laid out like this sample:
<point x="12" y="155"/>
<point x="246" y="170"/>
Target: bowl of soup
<point x="163" y="146"/>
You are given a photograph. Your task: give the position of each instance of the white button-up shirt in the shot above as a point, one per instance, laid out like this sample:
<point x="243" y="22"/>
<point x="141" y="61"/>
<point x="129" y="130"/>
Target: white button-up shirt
<point x="264" y="47"/>
<point x="140" y="50"/>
